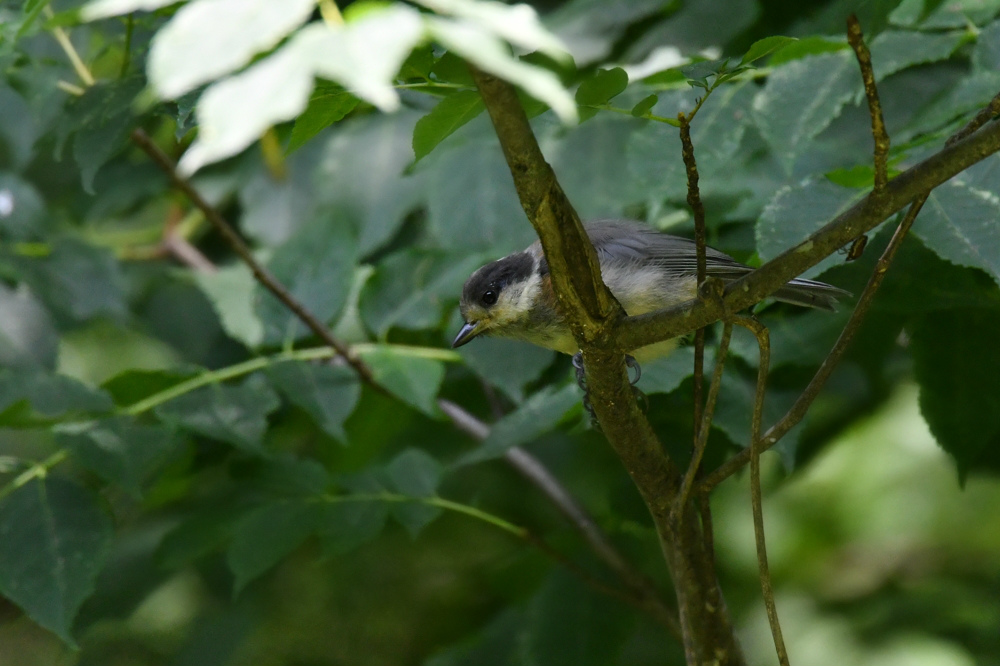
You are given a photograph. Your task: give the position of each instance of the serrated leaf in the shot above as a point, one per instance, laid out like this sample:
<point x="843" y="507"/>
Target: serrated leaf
<point x="602" y="86"/>
<point x="957" y="364"/>
<point x="328" y="393"/>
<point x="412" y="379"/>
<point x="765" y="47"/>
<point x="328" y="104"/>
<point x="533" y="418"/>
<point x="53" y="541"/>
<point x="444" y="119"/>
<point x="892" y="51"/>
<point x="208" y="38"/>
<point x="481" y="47"/>
<point x="232" y="291"/>
<point x="797" y="211"/>
<point x="266" y="535"/>
<point x="316" y="265"/>
<point x="801" y="99"/>
<point x="959" y="222"/>
<point x="233" y="414"/>
<point x="121" y="450"/>
<point x="414" y="473"/>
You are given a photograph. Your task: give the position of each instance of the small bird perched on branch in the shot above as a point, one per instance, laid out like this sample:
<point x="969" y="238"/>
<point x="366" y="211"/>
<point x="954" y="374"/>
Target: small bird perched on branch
<point x="645" y="270"/>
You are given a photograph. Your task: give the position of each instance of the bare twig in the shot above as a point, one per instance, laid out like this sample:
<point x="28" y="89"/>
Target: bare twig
<point x="703" y="428"/>
<point x="985" y="115"/>
<point x="798" y="410"/>
<point x="764" y="345"/>
<point x="857" y="41"/>
<point x="698" y="212"/>
<point x="141" y="139"/>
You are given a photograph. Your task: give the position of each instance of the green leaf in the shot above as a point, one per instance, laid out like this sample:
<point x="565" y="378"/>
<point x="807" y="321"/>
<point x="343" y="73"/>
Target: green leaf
<point x="412" y="379"/>
<point x="893" y="51"/>
<point x="644" y="106"/>
<point x="807" y="46"/>
<point x="765" y="47"/>
<point x="602" y="87"/>
<point x="858" y="176"/>
<point x="30" y="397"/>
<point x="263" y="537"/>
<point x="797" y="211"/>
<point x="957" y="364"/>
<point x="416" y="474"/>
<point x="53" y="541"/>
<point x="986" y="55"/>
<point x="316" y="266"/>
<point x="536" y="416"/>
<point x="568" y="624"/>
<point x="206" y="39"/>
<point x="410" y="289"/>
<point x="471" y="201"/>
<point x="205" y="531"/>
<point x="19" y="129"/>
<point x="28" y="337"/>
<point x="444" y="119"/>
<point x="233" y="414"/>
<point x="959" y="222"/>
<point x="232" y="291"/>
<point x="121" y="450"/>
<point x="363" y="56"/>
<point x="345" y="523"/>
<point x="77" y="281"/>
<point x="801" y="99"/>
<point x="328" y="104"/>
<point x="328" y="393"/>
<point x="509" y="365"/>
<point x="665" y="375"/>
<point x="131" y="386"/>
<point x="101" y="121"/>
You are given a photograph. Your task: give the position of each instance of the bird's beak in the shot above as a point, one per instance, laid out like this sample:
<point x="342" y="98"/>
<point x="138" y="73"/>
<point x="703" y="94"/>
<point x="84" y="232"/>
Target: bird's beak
<point x="468" y="332"/>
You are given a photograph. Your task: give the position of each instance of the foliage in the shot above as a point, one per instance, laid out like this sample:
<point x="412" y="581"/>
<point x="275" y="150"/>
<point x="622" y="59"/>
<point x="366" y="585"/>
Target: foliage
<point x="168" y="422"/>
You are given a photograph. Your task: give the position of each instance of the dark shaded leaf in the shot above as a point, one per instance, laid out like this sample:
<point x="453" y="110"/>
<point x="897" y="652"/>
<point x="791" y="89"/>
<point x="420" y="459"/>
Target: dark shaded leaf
<point x="53" y="541"/>
<point x="957" y="364"/>
<point x="644" y="106"/>
<point x="121" y="450"/>
<point x="233" y="414"/>
<point x="328" y="393"/>
<point x="30" y="397"/>
<point x="412" y="379"/>
<point x="414" y="473"/>
<point x="765" y="47"/>
<point x="266" y="535"/>
<point x="346" y="523"/>
<point x="600" y="89"/>
<point x="131" y="386"/>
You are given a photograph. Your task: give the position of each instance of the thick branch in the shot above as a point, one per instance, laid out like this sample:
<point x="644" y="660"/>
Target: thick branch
<point x="635" y="332"/>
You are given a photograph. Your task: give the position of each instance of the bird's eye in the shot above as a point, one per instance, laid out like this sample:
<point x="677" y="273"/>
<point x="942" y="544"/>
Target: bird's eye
<point x="489" y="297"/>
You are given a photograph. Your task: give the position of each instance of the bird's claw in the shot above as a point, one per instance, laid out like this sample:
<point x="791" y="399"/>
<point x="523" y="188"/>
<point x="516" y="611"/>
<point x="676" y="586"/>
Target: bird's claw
<point x="633" y="364"/>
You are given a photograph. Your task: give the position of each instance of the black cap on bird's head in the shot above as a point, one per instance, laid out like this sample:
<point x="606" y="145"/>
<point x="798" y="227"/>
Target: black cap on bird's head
<point x="485" y="302"/>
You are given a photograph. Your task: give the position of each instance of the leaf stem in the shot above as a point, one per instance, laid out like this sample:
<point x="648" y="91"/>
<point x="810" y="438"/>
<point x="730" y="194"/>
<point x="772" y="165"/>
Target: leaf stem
<point x="36" y="471"/>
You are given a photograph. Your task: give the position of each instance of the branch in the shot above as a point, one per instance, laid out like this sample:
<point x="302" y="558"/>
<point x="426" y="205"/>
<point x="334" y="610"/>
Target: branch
<point x="857" y="41"/>
<point x="642" y="590"/>
<point x="635" y="332"/>
<point x="801" y="406"/>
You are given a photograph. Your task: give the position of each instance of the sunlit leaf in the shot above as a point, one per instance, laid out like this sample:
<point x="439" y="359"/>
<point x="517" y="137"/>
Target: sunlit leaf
<point x="232" y="291"/>
<point x="99" y="9"/>
<point x="765" y="47"/>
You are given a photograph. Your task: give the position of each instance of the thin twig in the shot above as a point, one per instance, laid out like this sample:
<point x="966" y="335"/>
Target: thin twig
<point x="701" y="436"/>
<point x="881" y="157"/>
<point x="764" y="345"/>
<point x="67" y="46"/>
<point x="985" y="115"/>
<point x="798" y="410"/>
<point x="141" y="139"/>
<point x="698" y="212"/>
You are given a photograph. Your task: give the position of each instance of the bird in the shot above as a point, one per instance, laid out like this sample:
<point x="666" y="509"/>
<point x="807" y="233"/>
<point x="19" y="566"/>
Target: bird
<point x="645" y="269"/>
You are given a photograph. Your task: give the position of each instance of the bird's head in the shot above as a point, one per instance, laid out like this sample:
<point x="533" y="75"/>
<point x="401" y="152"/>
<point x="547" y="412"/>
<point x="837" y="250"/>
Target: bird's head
<point x="498" y="296"/>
